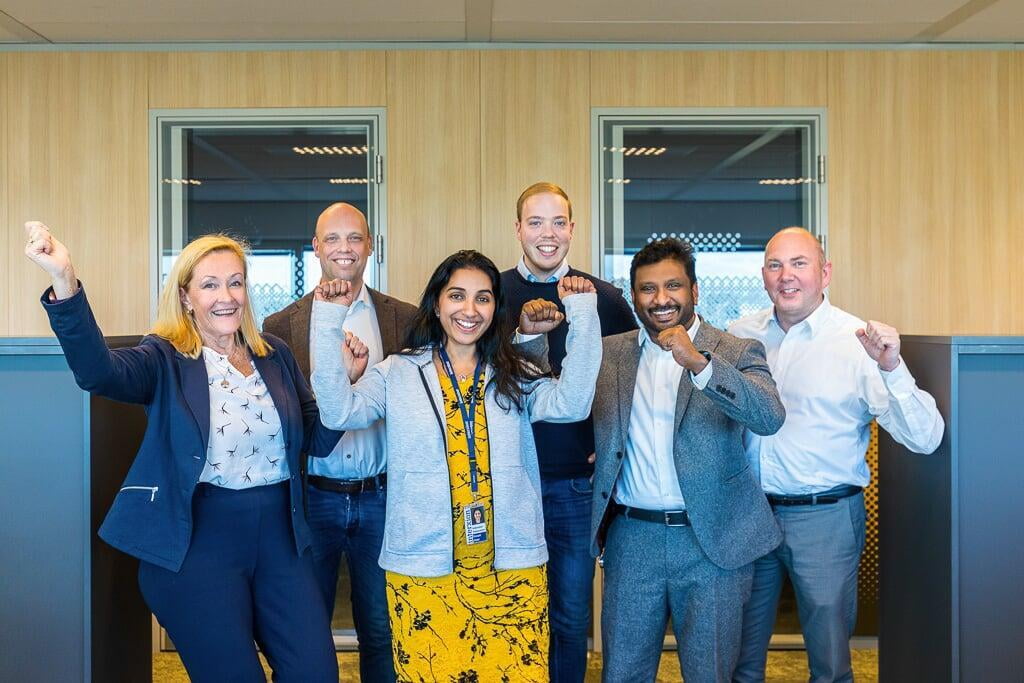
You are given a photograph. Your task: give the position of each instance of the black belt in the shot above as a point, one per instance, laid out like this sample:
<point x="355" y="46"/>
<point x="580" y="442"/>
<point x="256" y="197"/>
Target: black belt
<point x="666" y="517"/>
<point x="349" y="485"/>
<point x="824" y="498"/>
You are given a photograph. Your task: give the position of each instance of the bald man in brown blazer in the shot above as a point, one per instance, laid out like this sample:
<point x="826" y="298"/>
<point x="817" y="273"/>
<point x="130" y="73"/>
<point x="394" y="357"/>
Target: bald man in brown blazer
<point x="346" y="491"/>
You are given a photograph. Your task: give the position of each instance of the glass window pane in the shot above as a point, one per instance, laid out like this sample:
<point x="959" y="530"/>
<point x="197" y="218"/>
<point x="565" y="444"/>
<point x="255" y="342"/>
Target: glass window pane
<point x="266" y="178"/>
<point x="724" y="184"/>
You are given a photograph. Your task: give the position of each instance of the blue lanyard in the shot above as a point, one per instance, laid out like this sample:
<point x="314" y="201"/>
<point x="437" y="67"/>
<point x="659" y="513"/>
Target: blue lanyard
<point x="468" y="411"/>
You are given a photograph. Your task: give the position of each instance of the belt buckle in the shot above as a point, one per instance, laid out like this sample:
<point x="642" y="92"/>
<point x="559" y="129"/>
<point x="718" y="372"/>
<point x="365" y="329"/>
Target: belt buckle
<point x="669" y="514"/>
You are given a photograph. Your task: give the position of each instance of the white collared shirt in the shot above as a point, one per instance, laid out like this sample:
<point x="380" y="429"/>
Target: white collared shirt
<point x="649" y="479"/>
<point x="560" y="272"/>
<point x="360" y="453"/>
<point x="831" y="390"/>
<point x="246" y="446"/>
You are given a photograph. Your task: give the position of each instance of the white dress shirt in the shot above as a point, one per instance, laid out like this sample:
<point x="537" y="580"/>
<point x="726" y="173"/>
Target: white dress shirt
<point x="560" y="272"/>
<point x="246" y="445"/>
<point x="649" y="479"/>
<point x="360" y="453"/>
<point x="831" y="390"/>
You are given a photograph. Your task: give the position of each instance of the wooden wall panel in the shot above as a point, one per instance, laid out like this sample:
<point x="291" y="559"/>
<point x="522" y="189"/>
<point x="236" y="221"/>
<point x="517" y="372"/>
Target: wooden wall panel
<point x="77" y="151"/>
<point x="535" y="126"/>
<point x="1013" y="297"/>
<point x="8" y="227"/>
<point x="922" y="231"/>
<point x="926" y="217"/>
<point x="267" y="79"/>
<point x="433" y="165"/>
<point x="647" y="78"/>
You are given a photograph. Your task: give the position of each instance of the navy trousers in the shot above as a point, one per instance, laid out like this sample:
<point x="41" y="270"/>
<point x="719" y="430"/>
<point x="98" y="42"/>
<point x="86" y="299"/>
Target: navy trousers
<point x="242" y="584"/>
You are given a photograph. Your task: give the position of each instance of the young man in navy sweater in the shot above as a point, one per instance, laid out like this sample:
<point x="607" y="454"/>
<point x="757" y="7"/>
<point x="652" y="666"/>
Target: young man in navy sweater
<point x="544" y="227"/>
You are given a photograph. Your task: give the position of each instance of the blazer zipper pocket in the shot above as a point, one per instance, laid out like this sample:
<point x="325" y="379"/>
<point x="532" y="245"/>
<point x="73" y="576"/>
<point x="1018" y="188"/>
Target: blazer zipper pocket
<point x="152" y="490"/>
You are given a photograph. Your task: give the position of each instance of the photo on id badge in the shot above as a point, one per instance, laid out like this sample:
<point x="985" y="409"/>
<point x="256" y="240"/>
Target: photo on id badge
<point x="476" y="523"/>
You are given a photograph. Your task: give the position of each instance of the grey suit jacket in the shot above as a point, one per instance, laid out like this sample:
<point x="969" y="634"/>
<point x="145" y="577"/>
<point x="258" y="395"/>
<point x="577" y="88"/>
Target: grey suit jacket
<point x="727" y="508"/>
<point x="291" y="324"/>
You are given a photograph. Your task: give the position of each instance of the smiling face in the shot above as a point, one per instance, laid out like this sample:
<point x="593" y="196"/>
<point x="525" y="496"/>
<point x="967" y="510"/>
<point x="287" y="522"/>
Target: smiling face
<point x="342" y="243"/>
<point x="545" y="231"/>
<point x="795" y="275"/>
<point x="664" y="296"/>
<point x="466" y="306"/>
<point x="216" y="295"/>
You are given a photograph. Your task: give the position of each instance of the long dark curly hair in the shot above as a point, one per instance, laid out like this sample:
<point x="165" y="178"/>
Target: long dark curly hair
<point x="510" y="367"/>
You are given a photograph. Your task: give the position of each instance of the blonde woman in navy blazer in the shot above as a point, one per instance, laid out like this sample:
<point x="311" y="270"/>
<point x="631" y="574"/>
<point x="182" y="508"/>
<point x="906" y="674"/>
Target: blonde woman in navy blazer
<point x="220" y="532"/>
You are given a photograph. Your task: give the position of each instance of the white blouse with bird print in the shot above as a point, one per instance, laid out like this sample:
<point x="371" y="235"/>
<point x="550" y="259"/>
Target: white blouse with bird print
<point x="246" y="444"/>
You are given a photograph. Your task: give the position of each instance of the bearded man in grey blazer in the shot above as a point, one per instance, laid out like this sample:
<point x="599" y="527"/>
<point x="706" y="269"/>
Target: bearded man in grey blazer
<point x="677" y="511"/>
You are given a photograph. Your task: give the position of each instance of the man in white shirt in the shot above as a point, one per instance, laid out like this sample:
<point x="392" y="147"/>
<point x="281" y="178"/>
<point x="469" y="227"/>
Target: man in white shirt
<point x="676" y="508"/>
<point x="346" y="491"/>
<point x="835" y="374"/>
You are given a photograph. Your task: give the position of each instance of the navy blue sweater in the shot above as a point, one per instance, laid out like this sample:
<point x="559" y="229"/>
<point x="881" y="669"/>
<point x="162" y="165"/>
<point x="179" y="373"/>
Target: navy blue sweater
<point x="562" y="449"/>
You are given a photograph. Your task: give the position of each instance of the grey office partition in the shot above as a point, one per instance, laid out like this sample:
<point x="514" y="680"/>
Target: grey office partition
<point x="952" y="535"/>
<point x="70" y="609"/>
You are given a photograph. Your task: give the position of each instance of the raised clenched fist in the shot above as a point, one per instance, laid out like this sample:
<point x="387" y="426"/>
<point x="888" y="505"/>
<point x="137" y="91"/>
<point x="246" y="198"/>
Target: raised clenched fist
<point x="356" y="356"/>
<point x="336" y="291"/>
<point x="50" y="254"/>
<point x="677" y="340"/>
<point x="539" y="316"/>
<point x="574" y="284"/>
<point x="882" y="342"/>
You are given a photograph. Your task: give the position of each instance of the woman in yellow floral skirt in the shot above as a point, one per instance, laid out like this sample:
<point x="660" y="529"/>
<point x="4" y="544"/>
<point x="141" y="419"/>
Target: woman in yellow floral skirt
<point x="464" y="540"/>
<point x="478" y="623"/>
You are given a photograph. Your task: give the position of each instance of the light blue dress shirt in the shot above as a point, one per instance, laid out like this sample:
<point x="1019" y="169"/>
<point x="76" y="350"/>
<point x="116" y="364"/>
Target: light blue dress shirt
<point x="831" y="390"/>
<point x="559" y="273"/>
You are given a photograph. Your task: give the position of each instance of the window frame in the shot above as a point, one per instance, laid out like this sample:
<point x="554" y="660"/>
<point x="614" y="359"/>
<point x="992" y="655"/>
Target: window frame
<point x="231" y="117"/>
<point x="815" y="118"/>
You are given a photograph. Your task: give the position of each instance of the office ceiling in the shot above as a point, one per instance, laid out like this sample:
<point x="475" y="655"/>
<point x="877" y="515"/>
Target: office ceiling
<point x="557" y="22"/>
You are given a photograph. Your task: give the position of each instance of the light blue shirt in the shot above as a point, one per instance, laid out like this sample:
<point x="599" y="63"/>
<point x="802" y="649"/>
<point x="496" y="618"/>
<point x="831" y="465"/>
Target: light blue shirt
<point x="648" y="478"/>
<point x="246" y="445"/>
<point x="831" y="390"/>
<point x="360" y="453"/>
<point x="559" y="273"/>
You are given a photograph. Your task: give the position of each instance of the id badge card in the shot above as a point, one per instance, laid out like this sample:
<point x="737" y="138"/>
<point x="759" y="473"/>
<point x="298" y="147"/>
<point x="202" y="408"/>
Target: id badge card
<point x="475" y="519"/>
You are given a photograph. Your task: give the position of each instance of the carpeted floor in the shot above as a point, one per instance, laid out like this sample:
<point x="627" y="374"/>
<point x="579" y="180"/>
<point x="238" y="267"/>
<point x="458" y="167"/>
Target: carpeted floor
<point x="787" y="666"/>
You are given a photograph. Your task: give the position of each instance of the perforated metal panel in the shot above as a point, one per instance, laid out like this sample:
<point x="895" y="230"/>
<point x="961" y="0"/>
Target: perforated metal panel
<point x="867" y="580"/>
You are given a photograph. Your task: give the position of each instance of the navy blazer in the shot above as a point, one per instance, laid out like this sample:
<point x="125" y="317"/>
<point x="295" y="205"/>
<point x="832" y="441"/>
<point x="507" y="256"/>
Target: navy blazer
<point x="151" y="517"/>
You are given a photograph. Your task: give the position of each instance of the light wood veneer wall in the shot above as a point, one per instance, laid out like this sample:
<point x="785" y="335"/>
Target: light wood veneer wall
<point x="926" y="153"/>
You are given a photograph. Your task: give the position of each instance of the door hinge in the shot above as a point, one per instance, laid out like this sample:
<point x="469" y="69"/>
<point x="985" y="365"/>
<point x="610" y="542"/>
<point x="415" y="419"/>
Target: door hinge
<point x="379" y="248"/>
<point x="379" y="169"/>
<point x="821" y="168"/>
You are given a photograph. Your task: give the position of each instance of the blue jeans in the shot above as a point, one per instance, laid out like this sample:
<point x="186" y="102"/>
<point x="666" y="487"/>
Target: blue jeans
<point x="820" y="552"/>
<point x="570" y="574"/>
<point x="352" y="525"/>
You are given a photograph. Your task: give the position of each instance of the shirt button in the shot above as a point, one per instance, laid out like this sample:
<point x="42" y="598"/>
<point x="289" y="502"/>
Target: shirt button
<point x="348" y="455"/>
<point x="618" y="455"/>
<point x="293" y="509"/>
<point x="604" y="494"/>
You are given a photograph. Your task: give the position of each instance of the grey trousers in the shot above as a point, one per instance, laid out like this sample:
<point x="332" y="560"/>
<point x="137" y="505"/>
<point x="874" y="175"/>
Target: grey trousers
<point x="820" y="552"/>
<point x="653" y="572"/>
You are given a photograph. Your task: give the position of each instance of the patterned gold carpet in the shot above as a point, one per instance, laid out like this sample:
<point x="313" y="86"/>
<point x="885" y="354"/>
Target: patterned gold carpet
<point x="788" y="666"/>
